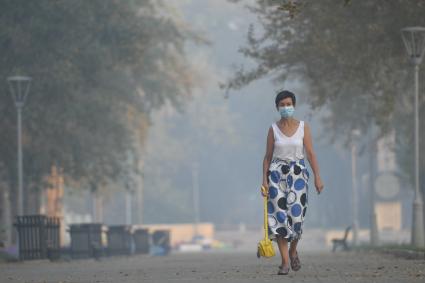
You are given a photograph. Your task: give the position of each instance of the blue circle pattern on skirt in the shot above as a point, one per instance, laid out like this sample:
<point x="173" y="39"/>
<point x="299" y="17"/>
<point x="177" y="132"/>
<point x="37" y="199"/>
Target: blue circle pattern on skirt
<point x="287" y="199"/>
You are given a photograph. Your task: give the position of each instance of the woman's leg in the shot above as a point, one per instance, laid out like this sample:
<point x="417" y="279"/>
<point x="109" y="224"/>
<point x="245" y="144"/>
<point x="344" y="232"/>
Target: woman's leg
<point x="282" y="243"/>
<point x="293" y="248"/>
<point x="295" y="260"/>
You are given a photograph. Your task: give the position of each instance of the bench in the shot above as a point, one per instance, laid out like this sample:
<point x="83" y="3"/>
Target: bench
<point x="336" y="242"/>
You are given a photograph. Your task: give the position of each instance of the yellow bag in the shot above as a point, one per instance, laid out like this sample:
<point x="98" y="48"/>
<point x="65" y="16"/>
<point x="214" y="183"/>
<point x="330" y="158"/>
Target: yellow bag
<point x="265" y="246"/>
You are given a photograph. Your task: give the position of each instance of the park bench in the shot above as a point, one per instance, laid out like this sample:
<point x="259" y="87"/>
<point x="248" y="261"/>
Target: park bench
<point x="336" y="242"/>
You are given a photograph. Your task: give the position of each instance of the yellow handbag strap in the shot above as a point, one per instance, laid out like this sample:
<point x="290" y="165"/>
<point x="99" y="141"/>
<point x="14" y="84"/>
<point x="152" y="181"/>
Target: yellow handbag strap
<point x="266" y="232"/>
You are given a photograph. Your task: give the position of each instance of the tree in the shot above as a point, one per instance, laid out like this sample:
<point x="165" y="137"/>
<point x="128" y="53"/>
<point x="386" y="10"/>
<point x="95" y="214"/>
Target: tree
<point x="349" y="54"/>
<point x="99" y="68"/>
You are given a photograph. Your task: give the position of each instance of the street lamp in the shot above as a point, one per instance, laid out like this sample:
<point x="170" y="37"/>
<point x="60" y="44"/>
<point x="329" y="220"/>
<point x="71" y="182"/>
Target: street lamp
<point x="355" y="136"/>
<point x="195" y="195"/>
<point x="19" y="88"/>
<point x="414" y="40"/>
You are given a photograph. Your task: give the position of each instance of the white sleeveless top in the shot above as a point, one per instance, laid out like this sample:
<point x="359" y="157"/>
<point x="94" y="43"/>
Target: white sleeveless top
<point x="289" y="148"/>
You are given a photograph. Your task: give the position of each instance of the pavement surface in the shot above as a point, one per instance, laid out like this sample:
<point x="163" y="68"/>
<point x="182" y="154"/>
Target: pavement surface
<point x="220" y="267"/>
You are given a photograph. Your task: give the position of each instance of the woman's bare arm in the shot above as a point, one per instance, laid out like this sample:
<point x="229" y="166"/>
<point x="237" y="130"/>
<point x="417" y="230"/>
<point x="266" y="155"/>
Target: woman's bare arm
<point x="311" y="156"/>
<point x="268" y="156"/>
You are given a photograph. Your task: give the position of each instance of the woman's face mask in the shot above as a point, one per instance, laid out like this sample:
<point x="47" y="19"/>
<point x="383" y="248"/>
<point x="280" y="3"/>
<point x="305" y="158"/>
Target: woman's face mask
<point x="286" y="111"/>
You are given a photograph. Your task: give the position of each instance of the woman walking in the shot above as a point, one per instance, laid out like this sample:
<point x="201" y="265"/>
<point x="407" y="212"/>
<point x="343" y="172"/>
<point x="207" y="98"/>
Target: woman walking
<point x="285" y="179"/>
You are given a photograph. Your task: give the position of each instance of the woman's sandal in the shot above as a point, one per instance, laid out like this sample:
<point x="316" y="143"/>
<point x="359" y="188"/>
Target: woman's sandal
<point x="295" y="262"/>
<point x="283" y="270"/>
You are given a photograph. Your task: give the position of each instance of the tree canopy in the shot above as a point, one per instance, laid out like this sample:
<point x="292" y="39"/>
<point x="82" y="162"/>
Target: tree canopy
<point x="348" y="54"/>
<point x="341" y="50"/>
<point x="98" y="68"/>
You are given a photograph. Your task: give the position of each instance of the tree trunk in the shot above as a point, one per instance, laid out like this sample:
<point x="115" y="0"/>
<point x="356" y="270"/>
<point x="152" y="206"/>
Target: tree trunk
<point x="97" y="207"/>
<point x="139" y="193"/>
<point x="6" y="216"/>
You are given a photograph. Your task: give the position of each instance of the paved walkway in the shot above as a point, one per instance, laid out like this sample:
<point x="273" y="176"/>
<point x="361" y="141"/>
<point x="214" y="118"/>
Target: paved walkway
<point x="219" y="267"/>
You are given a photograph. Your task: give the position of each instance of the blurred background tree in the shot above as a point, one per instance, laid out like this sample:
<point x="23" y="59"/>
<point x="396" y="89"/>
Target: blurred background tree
<point x="99" y="68"/>
<point x="351" y="58"/>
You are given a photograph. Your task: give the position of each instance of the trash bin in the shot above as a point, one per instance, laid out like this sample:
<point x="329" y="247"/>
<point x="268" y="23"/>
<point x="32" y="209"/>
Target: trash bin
<point x="161" y="242"/>
<point x="86" y="240"/>
<point x="120" y="240"/>
<point x="141" y="240"/>
<point x="38" y="237"/>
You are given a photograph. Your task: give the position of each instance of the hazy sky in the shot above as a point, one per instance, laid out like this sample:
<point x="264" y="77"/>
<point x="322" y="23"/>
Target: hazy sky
<point x="226" y="138"/>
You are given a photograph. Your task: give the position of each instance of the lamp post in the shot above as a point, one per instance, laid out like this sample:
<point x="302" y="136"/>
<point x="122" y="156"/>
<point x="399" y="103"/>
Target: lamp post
<point x="355" y="135"/>
<point x="19" y="87"/>
<point x="195" y="195"/>
<point x="414" y="41"/>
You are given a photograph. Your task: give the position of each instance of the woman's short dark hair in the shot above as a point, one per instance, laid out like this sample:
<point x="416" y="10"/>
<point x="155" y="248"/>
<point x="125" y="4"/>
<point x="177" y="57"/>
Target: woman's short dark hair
<point x="285" y="94"/>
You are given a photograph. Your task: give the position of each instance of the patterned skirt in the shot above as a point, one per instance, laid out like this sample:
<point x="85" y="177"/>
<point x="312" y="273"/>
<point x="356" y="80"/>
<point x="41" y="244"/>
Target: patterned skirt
<point x="287" y="199"/>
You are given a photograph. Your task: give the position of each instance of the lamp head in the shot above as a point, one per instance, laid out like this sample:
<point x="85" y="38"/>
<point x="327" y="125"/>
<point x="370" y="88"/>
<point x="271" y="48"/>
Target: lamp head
<point x="19" y="87"/>
<point x="414" y="41"/>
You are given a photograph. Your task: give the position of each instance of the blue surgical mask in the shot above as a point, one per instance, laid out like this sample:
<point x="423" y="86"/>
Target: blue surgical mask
<point x="286" y="111"/>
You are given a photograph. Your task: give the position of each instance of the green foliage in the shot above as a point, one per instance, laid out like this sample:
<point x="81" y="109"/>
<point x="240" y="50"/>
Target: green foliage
<point x="98" y="67"/>
<point x="350" y="56"/>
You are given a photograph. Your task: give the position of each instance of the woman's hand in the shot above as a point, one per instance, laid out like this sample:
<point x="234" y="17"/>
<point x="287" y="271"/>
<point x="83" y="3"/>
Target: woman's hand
<point x="318" y="184"/>
<point x="265" y="189"/>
